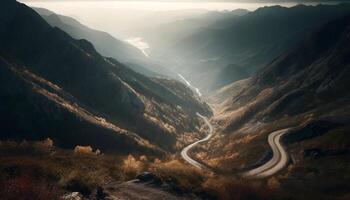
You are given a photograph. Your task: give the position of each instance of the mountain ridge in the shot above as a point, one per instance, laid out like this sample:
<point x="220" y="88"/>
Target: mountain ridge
<point x="103" y="86"/>
<point x="248" y="43"/>
<point x="304" y="88"/>
<point x="105" y="43"/>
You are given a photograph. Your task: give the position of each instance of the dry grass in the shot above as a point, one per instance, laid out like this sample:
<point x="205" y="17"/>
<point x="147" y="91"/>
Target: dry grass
<point x="80" y="170"/>
<point x="182" y="177"/>
<point x="65" y="169"/>
<point x="132" y="166"/>
<point x="187" y="179"/>
<point x="25" y="186"/>
<point x="45" y="172"/>
<point x="226" y="188"/>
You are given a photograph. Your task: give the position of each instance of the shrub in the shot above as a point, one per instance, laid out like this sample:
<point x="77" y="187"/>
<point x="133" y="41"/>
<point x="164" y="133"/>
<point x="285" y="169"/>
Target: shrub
<point x="131" y="167"/>
<point x="86" y="150"/>
<point x="83" y="181"/>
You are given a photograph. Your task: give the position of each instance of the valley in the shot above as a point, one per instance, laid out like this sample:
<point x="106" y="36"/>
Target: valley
<point x="184" y="152"/>
<point x="250" y="103"/>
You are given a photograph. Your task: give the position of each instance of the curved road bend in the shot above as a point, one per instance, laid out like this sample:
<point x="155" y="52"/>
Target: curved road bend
<point x="184" y="152"/>
<point x="279" y="159"/>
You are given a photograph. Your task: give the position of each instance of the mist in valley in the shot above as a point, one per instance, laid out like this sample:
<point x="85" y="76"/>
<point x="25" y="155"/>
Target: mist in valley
<point x="178" y="100"/>
<point x="157" y="28"/>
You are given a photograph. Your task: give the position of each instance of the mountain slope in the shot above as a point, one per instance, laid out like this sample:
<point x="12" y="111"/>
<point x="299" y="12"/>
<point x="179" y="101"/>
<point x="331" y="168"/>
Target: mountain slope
<point x="246" y="44"/>
<point x="102" y="86"/>
<point x="107" y="45"/>
<point x="304" y="89"/>
<point x="166" y="35"/>
<point x="104" y="43"/>
<point x="34" y="108"/>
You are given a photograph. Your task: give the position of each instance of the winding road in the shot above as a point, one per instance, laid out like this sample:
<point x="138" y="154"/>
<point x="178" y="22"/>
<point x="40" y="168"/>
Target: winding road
<point x="278" y="161"/>
<point x="184" y="152"/>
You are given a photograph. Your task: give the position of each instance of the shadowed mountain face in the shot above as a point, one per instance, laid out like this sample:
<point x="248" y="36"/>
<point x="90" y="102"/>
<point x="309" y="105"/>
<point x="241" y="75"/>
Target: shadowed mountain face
<point x="232" y="49"/>
<point x="107" y="45"/>
<point x="104" y="43"/>
<point x="71" y="80"/>
<point x="164" y="36"/>
<point x="305" y="88"/>
<point x="34" y="108"/>
<point x="309" y="77"/>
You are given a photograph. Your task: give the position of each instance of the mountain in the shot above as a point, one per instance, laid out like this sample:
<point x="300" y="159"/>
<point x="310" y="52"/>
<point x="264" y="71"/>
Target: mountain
<point x="305" y="90"/>
<point x="94" y="100"/>
<point x="166" y="35"/>
<point x="238" y="49"/>
<point x="34" y="108"/>
<point x="107" y="45"/>
<point x="104" y="43"/>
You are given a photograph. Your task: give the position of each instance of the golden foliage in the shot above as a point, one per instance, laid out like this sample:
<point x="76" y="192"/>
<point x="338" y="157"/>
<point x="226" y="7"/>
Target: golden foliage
<point x="86" y="150"/>
<point x="131" y="167"/>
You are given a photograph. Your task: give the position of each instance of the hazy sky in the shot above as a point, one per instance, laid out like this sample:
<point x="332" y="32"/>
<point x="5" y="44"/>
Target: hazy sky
<point x="255" y="1"/>
<point x="119" y="17"/>
<point x="168" y="4"/>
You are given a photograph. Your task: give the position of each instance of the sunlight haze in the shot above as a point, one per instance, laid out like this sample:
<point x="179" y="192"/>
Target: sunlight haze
<point x="122" y="18"/>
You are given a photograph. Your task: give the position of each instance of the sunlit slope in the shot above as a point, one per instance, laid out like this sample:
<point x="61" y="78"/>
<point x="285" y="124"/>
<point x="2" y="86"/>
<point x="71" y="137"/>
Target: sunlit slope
<point x="101" y="86"/>
<point x="34" y="108"/>
<point x="304" y="89"/>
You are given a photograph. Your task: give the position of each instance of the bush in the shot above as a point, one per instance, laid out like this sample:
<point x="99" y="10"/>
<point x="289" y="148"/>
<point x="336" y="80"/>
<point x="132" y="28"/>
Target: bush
<point x="132" y="167"/>
<point x="83" y="181"/>
<point x="86" y="150"/>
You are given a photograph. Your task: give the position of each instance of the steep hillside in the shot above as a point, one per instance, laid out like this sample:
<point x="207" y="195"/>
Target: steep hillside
<point x="107" y="45"/>
<point x="101" y="86"/>
<point x="34" y="108"/>
<point x="104" y="43"/>
<point x="236" y="51"/>
<point x="306" y="89"/>
<point x="166" y="35"/>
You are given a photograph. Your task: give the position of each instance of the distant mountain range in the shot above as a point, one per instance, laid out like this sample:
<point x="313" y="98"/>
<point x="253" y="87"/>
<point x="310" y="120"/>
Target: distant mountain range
<point x="53" y="85"/>
<point x="104" y="43"/>
<point x="235" y="47"/>
<point x="165" y="35"/>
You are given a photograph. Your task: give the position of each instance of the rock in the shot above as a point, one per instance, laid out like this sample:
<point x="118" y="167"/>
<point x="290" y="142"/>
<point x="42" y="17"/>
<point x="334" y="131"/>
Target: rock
<point x="148" y="177"/>
<point x="72" y="196"/>
<point x="313" y="153"/>
<point x="100" y="194"/>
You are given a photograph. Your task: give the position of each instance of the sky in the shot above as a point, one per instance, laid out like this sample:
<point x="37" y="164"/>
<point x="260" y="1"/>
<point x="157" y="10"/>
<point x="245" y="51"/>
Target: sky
<point x="170" y="4"/>
<point x="244" y="1"/>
